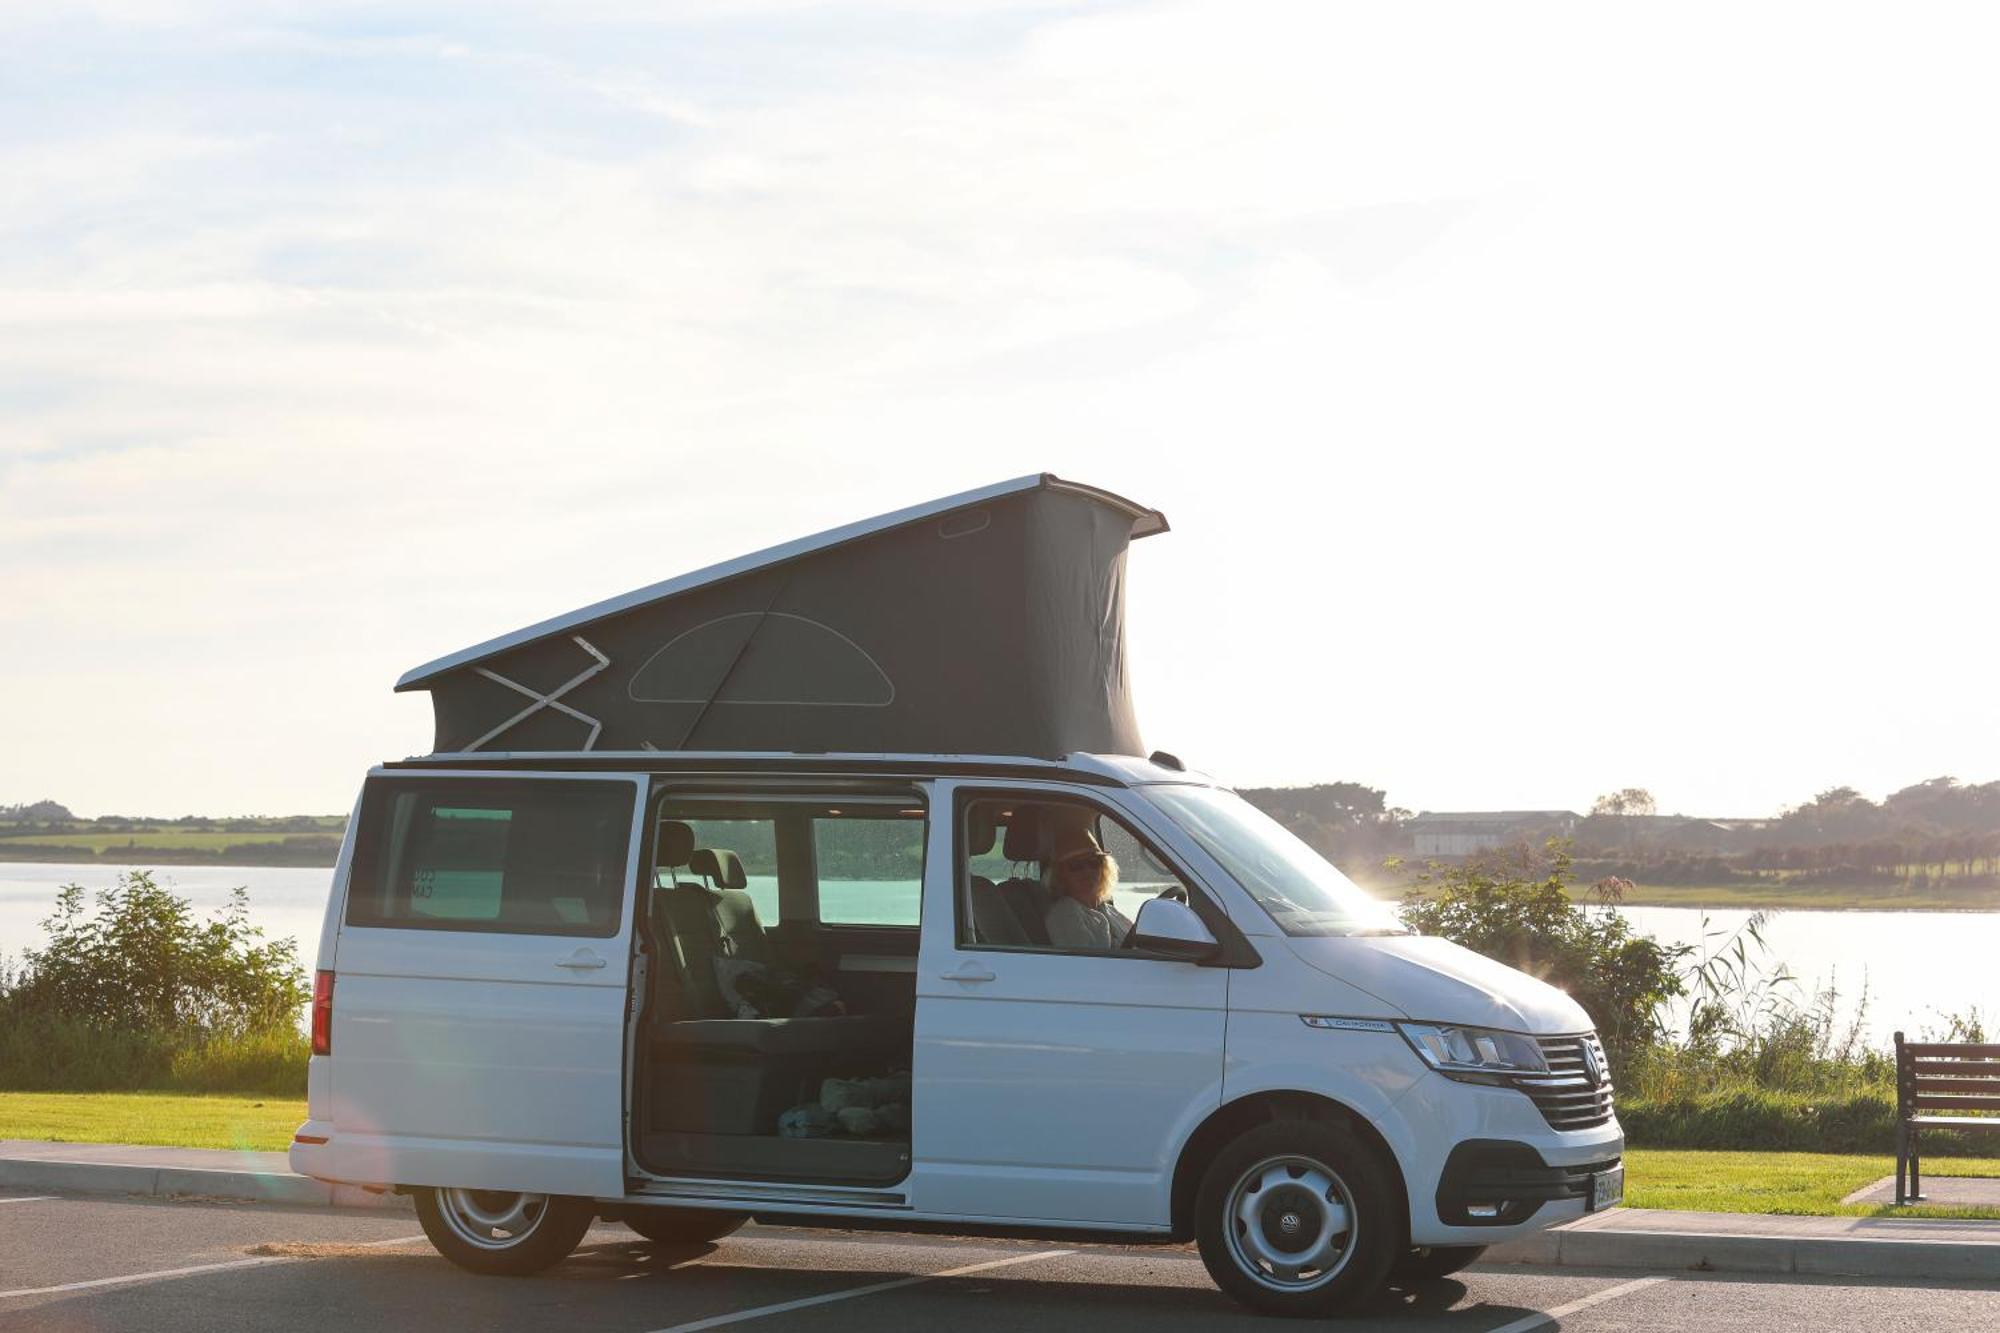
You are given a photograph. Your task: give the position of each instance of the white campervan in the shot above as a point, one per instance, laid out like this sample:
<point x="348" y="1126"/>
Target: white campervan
<point x="681" y="985"/>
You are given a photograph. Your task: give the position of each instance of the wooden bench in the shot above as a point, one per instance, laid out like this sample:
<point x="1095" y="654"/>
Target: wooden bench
<point x="1934" y="1077"/>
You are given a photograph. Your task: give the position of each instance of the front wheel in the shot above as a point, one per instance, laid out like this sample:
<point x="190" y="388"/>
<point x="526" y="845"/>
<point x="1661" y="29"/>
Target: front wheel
<point x="502" y="1232"/>
<point x="1298" y="1217"/>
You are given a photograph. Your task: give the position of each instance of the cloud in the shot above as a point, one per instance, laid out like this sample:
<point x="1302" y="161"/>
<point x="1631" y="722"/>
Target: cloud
<point x="1471" y="349"/>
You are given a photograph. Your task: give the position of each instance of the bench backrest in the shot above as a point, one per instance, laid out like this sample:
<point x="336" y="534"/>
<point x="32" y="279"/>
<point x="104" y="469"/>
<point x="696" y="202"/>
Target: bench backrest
<point x="1933" y="1077"/>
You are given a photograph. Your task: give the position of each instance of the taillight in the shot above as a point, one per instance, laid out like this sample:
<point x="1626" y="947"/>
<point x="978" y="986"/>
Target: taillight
<point x="322" y="1025"/>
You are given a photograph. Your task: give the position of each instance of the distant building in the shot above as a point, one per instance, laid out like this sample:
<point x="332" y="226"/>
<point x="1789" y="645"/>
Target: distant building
<point x="1462" y="833"/>
<point x="1665" y="833"/>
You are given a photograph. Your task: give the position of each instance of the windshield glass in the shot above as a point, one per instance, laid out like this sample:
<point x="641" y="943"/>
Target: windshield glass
<point x="1301" y="889"/>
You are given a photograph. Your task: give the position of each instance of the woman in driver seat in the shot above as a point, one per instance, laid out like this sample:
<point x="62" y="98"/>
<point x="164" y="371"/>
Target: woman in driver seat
<point x="1080" y="878"/>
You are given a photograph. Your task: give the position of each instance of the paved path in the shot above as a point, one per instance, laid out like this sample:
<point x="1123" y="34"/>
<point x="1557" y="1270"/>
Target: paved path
<point x="1940" y="1191"/>
<point x="163" y="1266"/>
<point x="1630" y="1238"/>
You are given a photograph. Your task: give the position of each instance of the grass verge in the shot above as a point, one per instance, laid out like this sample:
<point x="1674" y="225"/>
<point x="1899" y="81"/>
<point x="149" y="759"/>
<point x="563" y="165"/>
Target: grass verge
<point x="1704" y="1181"/>
<point x="1811" y="1184"/>
<point x="1779" y="896"/>
<point x="247" y="1123"/>
<point x="1817" y="897"/>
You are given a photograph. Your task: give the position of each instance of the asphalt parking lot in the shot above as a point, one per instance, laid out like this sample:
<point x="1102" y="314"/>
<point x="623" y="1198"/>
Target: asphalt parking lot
<point x="70" y="1264"/>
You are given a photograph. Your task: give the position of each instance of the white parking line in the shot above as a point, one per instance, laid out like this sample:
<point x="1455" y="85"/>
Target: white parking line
<point x="169" y="1274"/>
<point x="1526" y="1322"/>
<point x="784" y="1306"/>
<point x="32" y="1198"/>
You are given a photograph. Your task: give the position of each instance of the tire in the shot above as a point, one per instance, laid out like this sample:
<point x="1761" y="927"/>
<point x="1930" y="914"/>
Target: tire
<point x="1305" y="1195"/>
<point x="1428" y="1263"/>
<point x="682" y="1226"/>
<point x="502" y="1233"/>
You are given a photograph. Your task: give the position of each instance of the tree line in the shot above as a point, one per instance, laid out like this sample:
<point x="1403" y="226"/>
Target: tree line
<point x="1936" y="829"/>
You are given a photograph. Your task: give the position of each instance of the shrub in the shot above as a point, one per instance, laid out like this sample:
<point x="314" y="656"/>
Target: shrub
<point x="1773" y="1120"/>
<point x="139" y="994"/>
<point x="1498" y="907"/>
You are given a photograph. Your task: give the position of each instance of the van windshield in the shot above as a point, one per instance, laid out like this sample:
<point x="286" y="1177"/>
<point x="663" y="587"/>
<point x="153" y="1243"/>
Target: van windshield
<point x="1301" y="889"/>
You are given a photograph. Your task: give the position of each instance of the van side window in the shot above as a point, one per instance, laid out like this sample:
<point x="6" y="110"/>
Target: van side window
<point x="1016" y="870"/>
<point x="871" y="867"/>
<point x="527" y="858"/>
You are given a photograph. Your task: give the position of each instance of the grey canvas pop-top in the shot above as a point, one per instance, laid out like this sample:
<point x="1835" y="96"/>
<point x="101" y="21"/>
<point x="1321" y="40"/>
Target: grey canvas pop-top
<point x="990" y="622"/>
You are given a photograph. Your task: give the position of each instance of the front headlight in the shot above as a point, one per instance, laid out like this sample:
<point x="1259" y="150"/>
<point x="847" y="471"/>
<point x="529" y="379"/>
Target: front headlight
<point x="1474" y="1055"/>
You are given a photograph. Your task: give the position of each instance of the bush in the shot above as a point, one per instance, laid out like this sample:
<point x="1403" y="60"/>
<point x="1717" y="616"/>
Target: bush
<point x="1498" y="908"/>
<point x="272" y="1061"/>
<point x="139" y="994"/>
<point x="1768" y="1119"/>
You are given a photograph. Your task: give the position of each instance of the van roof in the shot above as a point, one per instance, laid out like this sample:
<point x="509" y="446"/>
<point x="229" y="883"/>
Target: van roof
<point x="1106" y="770"/>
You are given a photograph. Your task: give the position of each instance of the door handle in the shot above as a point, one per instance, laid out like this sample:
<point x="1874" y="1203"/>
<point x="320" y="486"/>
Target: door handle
<point x="582" y="959"/>
<point x="967" y="971"/>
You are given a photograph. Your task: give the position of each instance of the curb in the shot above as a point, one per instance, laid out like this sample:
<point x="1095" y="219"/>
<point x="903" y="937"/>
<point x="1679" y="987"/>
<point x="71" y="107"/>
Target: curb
<point x="171" y="1181"/>
<point x="1558" y="1247"/>
<point x="1823" y="1256"/>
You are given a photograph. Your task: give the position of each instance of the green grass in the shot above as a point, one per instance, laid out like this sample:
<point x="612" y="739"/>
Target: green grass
<point x="172" y="838"/>
<point x="1717" y="1182"/>
<point x="175" y="1120"/>
<point x="1824" y="897"/>
<point x="1781" y="1182"/>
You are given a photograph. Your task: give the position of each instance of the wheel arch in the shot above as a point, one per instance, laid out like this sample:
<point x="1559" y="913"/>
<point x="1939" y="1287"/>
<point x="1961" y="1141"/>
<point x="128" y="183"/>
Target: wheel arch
<point x="1257" y="1108"/>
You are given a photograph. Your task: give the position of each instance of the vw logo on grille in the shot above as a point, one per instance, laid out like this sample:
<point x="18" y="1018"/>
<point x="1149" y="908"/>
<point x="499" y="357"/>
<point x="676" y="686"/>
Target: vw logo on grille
<point x="1592" y="1070"/>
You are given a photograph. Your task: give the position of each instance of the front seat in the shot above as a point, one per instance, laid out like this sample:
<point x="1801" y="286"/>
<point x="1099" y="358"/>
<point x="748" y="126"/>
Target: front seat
<point x="993" y="921"/>
<point x="742" y="934"/>
<point x="1025" y="897"/>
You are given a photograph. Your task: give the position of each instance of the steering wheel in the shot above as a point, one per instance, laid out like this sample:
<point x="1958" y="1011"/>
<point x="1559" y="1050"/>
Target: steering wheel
<point x="1174" y="893"/>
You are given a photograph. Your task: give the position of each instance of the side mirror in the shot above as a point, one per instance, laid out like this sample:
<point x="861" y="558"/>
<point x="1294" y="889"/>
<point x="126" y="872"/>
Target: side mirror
<point x="1172" y="929"/>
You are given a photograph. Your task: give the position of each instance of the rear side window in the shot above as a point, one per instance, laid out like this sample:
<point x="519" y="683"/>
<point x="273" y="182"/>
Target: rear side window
<point x="871" y="867"/>
<point x="526" y="858"/>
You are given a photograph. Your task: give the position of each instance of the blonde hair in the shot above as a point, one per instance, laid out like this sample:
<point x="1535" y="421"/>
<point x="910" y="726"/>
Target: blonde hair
<point x="1058" y="886"/>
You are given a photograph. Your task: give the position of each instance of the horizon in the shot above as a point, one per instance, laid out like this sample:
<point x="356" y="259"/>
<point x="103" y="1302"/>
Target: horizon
<point x="1390" y="802"/>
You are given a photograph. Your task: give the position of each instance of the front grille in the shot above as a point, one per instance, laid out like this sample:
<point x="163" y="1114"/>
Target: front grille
<point x="1566" y="1095"/>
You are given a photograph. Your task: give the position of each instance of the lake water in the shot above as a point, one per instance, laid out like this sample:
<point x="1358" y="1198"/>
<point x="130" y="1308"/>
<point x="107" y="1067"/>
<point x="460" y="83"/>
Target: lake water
<point x="1917" y="966"/>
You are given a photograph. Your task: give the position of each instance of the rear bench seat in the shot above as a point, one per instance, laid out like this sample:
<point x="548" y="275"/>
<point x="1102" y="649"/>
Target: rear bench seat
<point x="713" y="1073"/>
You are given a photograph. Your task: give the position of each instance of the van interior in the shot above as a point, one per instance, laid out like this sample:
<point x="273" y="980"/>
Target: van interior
<point x="780" y="942"/>
<point x="780" y="946"/>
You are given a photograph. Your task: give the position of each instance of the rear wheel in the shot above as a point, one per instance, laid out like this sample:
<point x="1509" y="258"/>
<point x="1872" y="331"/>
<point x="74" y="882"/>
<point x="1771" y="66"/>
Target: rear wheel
<point x="685" y="1226"/>
<point x="1427" y="1263"/>
<point x="1298" y="1217"/>
<point x="501" y="1232"/>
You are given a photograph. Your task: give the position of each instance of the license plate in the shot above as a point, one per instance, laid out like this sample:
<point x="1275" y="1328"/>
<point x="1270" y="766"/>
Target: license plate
<point x="1607" y="1188"/>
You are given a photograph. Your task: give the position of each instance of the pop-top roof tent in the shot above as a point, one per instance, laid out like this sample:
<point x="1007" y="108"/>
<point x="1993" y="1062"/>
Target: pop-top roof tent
<point x="991" y="622"/>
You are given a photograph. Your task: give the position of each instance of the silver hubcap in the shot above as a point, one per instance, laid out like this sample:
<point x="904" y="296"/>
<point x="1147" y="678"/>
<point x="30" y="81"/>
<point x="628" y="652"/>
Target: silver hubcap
<point x="492" y="1219"/>
<point x="1291" y="1223"/>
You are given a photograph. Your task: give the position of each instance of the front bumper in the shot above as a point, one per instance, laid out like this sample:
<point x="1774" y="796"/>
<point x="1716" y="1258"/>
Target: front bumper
<point x="1501" y="1183"/>
<point x="1444" y="1134"/>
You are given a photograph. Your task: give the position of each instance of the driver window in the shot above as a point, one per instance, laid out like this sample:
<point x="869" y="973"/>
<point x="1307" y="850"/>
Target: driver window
<point x="1058" y="876"/>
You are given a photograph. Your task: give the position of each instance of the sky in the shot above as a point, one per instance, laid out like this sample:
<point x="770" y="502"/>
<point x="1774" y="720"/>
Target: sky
<point x="1546" y="400"/>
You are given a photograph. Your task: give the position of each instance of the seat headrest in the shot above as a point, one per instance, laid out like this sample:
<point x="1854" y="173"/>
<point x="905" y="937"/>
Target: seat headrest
<point x="979" y="829"/>
<point x="674" y="843"/>
<point x="718" y="865"/>
<point x="1024" y="840"/>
